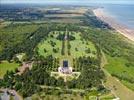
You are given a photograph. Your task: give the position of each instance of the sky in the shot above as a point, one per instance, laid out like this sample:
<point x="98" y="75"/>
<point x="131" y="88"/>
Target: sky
<point x="69" y="1"/>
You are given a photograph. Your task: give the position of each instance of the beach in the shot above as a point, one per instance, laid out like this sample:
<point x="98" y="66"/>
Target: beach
<point x="125" y="31"/>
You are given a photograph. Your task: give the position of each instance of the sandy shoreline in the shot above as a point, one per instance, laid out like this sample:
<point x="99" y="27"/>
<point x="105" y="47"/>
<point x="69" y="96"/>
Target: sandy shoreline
<point x="129" y="33"/>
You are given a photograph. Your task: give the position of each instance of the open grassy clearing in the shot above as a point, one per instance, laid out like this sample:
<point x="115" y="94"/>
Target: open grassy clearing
<point x="6" y="66"/>
<point x="116" y="66"/>
<point x="116" y="87"/>
<point x="46" y="49"/>
<point x="80" y="46"/>
<point x="94" y="94"/>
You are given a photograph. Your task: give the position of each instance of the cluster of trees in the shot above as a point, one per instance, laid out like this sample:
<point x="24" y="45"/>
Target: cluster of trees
<point x="29" y="82"/>
<point x="60" y="37"/>
<point x="18" y="43"/>
<point x="88" y="50"/>
<point x="68" y="43"/>
<point x="70" y="37"/>
<point x="63" y="48"/>
<point x="55" y="50"/>
<point x="23" y="83"/>
<point x="52" y="43"/>
<point x="51" y="63"/>
<point x="91" y="74"/>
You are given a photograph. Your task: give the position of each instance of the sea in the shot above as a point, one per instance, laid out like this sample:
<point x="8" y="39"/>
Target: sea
<point x="123" y="13"/>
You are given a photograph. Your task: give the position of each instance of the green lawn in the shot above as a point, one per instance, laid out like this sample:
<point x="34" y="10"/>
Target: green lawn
<point x="78" y="46"/>
<point x="116" y="66"/>
<point x="6" y="66"/>
<point x="45" y="44"/>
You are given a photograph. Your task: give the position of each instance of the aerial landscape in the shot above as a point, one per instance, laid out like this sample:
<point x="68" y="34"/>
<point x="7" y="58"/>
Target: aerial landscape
<point x="66" y="50"/>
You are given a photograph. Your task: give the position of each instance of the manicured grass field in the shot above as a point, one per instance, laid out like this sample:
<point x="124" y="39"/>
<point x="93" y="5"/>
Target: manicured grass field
<point x="6" y="66"/>
<point x="80" y="45"/>
<point x="45" y="44"/>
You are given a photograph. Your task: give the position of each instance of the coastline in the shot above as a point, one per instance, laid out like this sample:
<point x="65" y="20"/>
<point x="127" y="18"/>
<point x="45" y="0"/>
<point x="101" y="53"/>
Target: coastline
<point x="129" y="33"/>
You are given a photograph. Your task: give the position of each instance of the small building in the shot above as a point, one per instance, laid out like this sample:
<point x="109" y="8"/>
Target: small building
<point x="65" y="69"/>
<point x="65" y="63"/>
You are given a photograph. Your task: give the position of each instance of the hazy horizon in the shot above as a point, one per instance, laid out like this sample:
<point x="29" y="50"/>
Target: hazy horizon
<point x="69" y="1"/>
